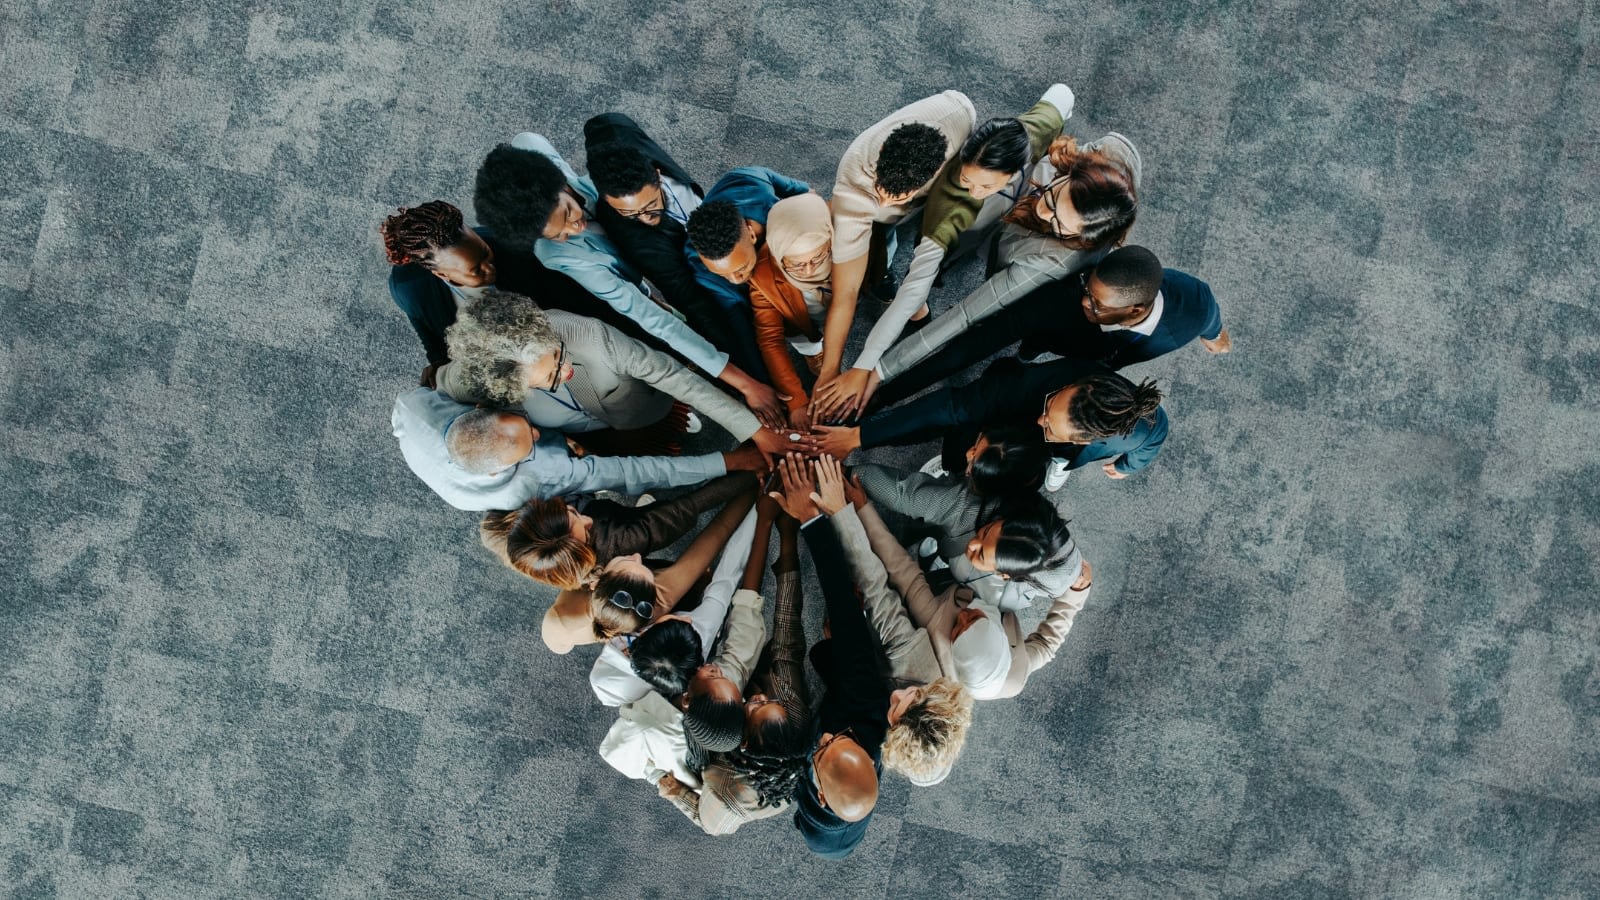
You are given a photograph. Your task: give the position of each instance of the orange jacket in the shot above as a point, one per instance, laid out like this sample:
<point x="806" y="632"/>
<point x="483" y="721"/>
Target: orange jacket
<point x="780" y="311"/>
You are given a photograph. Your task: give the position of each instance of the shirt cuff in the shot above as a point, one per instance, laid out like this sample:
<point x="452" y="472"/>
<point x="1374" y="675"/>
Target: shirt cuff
<point x="743" y="597"/>
<point x="1060" y="96"/>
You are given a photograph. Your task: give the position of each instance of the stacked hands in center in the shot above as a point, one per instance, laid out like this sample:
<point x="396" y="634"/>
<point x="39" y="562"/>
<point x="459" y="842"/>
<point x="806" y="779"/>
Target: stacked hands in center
<point x="590" y="324"/>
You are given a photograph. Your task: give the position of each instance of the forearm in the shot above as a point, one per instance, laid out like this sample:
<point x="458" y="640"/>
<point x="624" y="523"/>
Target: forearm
<point x="847" y="277"/>
<point x="993" y="295"/>
<point x="650" y="528"/>
<point x="673" y="581"/>
<point x="923" y="419"/>
<point x="687" y="802"/>
<point x="905" y="576"/>
<point x="786" y="676"/>
<point x="853" y="651"/>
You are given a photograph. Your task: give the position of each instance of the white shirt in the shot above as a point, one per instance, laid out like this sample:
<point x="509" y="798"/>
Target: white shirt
<point x="1148" y="326"/>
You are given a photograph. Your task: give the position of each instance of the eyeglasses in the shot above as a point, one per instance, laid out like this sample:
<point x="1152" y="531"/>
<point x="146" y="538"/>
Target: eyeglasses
<point x="1050" y="205"/>
<point x="1083" y="285"/>
<point x="809" y="266"/>
<point x="650" y="209"/>
<point x="561" y="363"/>
<point x="624" y="600"/>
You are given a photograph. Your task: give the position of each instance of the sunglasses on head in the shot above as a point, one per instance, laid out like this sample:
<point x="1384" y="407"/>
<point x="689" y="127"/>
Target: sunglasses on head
<point x="624" y="600"/>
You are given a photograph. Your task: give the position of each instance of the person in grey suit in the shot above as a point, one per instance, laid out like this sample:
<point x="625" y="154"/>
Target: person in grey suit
<point x="578" y="374"/>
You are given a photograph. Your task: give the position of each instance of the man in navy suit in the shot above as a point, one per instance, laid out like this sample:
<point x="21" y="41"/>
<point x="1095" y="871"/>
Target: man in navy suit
<point x="1125" y="310"/>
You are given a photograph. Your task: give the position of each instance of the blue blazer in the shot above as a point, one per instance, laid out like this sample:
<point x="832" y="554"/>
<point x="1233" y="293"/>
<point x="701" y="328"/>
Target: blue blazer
<point x="1188" y="310"/>
<point x="1011" y="392"/>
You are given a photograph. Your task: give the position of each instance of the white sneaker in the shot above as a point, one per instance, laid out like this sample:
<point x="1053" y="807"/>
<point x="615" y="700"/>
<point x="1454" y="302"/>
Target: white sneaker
<point x="934" y="467"/>
<point x="927" y="548"/>
<point x="1056" y="475"/>
<point x="645" y="500"/>
<point x="692" y="424"/>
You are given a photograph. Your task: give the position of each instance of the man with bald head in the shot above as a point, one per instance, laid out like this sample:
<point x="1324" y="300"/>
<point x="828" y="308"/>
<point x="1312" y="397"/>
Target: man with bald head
<point x="482" y="459"/>
<point x="835" y="799"/>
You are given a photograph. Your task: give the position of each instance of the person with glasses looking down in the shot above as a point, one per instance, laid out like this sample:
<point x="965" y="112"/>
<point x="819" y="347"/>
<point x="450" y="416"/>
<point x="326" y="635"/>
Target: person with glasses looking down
<point x="1087" y="413"/>
<point x="1079" y="205"/>
<point x="529" y="195"/>
<point x="974" y="189"/>
<point x="835" y="799"/>
<point x="697" y="706"/>
<point x="582" y="377"/>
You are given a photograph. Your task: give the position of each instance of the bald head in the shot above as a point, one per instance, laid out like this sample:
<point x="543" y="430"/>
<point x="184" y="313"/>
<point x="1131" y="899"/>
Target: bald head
<point x="485" y="441"/>
<point x="847" y="779"/>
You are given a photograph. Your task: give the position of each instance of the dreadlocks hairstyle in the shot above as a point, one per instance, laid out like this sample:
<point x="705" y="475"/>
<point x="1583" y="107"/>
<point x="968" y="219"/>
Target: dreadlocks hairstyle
<point x="774" y="758"/>
<point x="415" y="234"/>
<point x="1132" y="273"/>
<point x="618" y="170"/>
<point x="1109" y="404"/>
<point x="516" y="192"/>
<point x="1100" y="188"/>
<point x="610" y="619"/>
<point x="910" y="156"/>
<point x="1013" y="463"/>
<point x="715" y="229"/>
<point x="999" y="145"/>
<point x="1033" y="537"/>
<point x="665" y="656"/>
<point x="536" y="540"/>
<point x="926" y="741"/>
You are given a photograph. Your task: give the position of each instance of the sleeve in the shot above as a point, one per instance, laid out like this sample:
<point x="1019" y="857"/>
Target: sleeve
<point x="786" y="674"/>
<point x="746" y="632"/>
<point x="550" y="474"/>
<point x="707" y="617"/>
<point x="915" y="495"/>
<point x="852" y="219"/>
<point x="924" y="418"/>
<point x="667" y="375"/>
<point x="650" y="528"/>
<point x="626" y="298"/>
<point x="855" y="666"/>
<point x="416" y="291"/>
<point x="904" y="574"/>
<point x="912" y="294"/>
<point x="774" y="346"/>
<point x="1006" y="287"/>
<point x="626" y="751"/>
<point x="1044" y="121"/>
<point x="784" y="186"/>
<point x="688" y="802"/>
<point x="1213" y="320"/>
<point x="882" y="606"/>
<point x="1154" y="435"/>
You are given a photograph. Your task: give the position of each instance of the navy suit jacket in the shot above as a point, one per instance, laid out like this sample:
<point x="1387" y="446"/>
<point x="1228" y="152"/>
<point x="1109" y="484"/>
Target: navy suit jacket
<point x="1188" y="311"/>
<point x="856" y="696"/>
<point x="1010" y="392"/>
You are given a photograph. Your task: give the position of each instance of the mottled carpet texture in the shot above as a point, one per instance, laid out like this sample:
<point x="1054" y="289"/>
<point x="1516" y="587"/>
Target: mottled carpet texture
<point x="1343" y="639"/>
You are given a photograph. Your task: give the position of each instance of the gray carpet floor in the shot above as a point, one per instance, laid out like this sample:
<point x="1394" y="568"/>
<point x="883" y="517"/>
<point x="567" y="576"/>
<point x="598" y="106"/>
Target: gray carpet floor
<point x="1344" y="634"/>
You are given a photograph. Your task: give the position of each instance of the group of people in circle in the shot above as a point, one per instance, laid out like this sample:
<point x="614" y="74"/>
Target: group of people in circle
<point x="591" y="327"/>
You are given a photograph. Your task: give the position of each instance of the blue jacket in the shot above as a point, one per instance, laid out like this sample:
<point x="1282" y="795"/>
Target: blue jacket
<point x="1188" y="311"/>
<point x="753" y="190"/>
<point x="1011" y="392"/>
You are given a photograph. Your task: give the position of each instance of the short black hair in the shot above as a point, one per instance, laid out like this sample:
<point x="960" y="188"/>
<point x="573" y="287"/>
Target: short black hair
<point x="715" y="228"/>
<point x="999" y="145"/>
<point x="666" y="654"/>
<point x="516" y="192"/>
<point x="1133" y="273"/>
<point x="909" y="157"/>
<point x="619" y="170"/>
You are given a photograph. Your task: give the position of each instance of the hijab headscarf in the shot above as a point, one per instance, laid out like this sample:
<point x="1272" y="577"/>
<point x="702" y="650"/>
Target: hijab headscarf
<point x="796" y="227"/>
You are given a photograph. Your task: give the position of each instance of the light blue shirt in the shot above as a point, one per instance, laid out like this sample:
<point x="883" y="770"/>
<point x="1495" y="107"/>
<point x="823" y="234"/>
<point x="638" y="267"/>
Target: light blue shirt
<point x="422" y="417"/>
<point x="590" y="259"/>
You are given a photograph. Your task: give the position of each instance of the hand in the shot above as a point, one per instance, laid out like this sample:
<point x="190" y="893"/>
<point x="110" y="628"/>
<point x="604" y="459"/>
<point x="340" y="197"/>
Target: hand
<point x="1084" y="578"/>
<point x="854" y="492"/>
<point x="669" y="786"/>
<point x="836" y="440"/>
<point x="797" y="488"/>
<point x="1111" y="471"/>
<point x="576" y="449"/>
<point x="428" y="379"/>
<point x="830" y="485"/>
<point x="746" y="458"/>
<point x="842" y="397"/>
<point x="1222" y="344"/>
<point x="765" y="402"/>
<point x="777" y="443"/>
<point x="800" y="419"/>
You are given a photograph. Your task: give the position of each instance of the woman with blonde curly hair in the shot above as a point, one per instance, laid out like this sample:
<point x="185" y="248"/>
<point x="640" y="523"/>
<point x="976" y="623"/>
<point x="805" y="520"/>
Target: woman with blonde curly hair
<point x="1079" y="203"/>
<point x="928" y="726"/>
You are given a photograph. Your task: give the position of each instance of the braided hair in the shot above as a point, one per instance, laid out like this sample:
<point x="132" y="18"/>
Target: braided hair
<point x="1109" y="404"/>
<point x="414" y="235"/>
<point x="775" y="759"/>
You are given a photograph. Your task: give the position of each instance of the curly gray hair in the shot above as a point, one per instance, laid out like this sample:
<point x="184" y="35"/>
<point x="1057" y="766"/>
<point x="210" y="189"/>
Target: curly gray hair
<point x="496" y="340"/>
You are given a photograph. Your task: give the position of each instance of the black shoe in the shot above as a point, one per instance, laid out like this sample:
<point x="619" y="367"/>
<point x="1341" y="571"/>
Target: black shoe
<point x="886" y="288"/>
<point x="915" y="325"/>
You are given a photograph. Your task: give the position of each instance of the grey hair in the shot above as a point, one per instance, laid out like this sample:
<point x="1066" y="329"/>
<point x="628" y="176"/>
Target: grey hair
<point x="475" y="441"/>
<point x="496" y="339"/>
